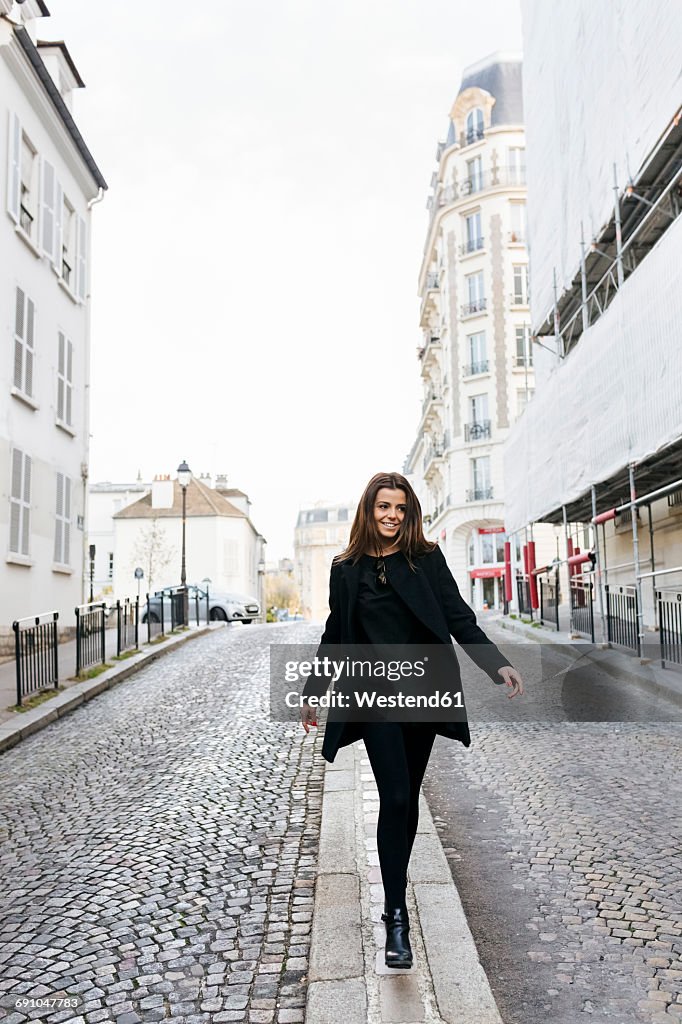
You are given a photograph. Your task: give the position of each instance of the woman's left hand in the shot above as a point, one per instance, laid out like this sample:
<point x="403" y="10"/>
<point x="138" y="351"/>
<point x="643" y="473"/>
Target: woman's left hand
<point x="512" y="679"/>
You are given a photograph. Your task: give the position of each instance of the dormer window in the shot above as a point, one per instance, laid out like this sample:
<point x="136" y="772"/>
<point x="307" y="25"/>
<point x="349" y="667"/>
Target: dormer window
<point x="474" y="125"/>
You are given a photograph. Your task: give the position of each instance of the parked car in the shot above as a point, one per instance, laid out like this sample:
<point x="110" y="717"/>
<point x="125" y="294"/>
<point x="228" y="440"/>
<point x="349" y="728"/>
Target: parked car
<point x="221" y="607"/>
<point x="250" y="605"/>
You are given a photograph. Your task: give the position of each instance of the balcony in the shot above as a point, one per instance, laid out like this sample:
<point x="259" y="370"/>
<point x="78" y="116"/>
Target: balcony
<point x="432" y="279"/>
<point x="472" y="136"/>
<point x="433" y="452"/>
<point x="433" y="395"/>
<point x="517" y="238"/>
<point x="511" y="176"/>
<point x="480" y="494"/>
<point x="430" y="347"/>
<point x="472" y="308"/>
<point x="477" y="431"/>
<point x="472" y="369"/>
<point x="476" y="183"/>
<point x="472" y="245"/>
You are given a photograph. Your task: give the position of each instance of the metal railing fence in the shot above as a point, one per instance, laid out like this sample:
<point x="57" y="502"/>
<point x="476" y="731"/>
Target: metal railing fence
<point x="90" y="635"/>
<point x="35" y="647"/>
<point x="582" y="608"/>
<point x="549" y="601"/>
<point x="621" y="617"/>
<point x="127" y="625"/>
<point x="670" y="626"/>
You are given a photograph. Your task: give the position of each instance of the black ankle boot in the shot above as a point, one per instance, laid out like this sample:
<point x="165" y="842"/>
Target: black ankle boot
<point x="398" y="950"/>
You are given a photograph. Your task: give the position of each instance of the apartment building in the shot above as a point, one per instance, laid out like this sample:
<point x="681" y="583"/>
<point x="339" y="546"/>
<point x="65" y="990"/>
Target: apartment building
<point x="50" y="182"/>
<point x="321" y="532"/>
<point x="475" y="359"/>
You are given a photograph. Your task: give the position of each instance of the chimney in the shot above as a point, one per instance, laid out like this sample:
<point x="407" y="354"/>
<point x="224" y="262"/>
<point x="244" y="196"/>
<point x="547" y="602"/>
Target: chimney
<point x="221" y="481"/>
<point x="162" y="492"/>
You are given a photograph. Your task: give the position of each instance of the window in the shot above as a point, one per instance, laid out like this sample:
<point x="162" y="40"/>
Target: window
<point x="518" y="222"/>
<point x="487" y="556"/>
<point x="474" y="235"/>
<point x="474" y="293"/>
<point x="62" y="531"/>
<point x="478" y="408"/>
<point x="24" y="318"/>
<point x="516" y="164"/>
<point x="474" y="126"/>
<point x="20" y="503"/>
<point x="520" y="294"/>
<point x="110" y="566"/>
<point x="499" y="546"/>
<point x="478" y="360"/>
<point x="65" y="381"/>
<point x="524" y="353"/>
<point x="474" y="182"/>
<point x="69" y="229"/>
<point x="27" y="188"/>
<point x="480" y="475"/>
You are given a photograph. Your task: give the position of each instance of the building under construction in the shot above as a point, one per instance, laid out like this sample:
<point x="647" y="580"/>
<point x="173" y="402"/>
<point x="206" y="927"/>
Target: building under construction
<point x="598" y="451"/>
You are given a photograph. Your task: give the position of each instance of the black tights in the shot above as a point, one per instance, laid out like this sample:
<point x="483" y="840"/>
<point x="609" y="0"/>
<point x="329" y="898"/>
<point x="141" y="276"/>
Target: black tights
<point x="398" y="753"/>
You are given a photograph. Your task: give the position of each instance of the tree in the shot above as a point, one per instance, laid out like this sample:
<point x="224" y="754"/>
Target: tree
<point x="281" y="591"/>
<point x="152" y="551"/>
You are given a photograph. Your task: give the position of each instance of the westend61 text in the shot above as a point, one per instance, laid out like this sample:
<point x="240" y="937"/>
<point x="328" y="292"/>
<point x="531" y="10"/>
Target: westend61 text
<point x="372" y="699"/>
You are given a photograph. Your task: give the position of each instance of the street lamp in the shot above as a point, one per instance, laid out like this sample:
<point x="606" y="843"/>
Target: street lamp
<point x="184" y="477"/>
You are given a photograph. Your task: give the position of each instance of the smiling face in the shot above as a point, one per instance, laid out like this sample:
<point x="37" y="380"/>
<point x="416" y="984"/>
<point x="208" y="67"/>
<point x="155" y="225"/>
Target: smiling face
<point x="390" y="507"/>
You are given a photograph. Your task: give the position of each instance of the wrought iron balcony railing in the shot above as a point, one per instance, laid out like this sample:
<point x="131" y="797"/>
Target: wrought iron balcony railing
<point x="471" y="369"/>
<point x="480" y="494"/>
<point x="477" y="431"/>
<point x="471" y="245"/>
<point x="477" y="306"/>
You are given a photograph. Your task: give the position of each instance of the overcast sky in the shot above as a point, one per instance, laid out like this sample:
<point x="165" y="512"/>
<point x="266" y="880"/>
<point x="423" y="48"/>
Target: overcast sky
<point x="255" y="259"/>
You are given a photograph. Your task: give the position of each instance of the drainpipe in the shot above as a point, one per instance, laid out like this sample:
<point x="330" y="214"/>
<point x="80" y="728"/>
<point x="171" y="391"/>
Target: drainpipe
<point x="86" y="401"/>
<point x="653" y="564"/>
<point x="635" y="556"/>
<point x="600" y="582"/>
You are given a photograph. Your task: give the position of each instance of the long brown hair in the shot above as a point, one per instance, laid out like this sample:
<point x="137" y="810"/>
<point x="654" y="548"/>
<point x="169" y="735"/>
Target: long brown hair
<point x="364" y="535"/>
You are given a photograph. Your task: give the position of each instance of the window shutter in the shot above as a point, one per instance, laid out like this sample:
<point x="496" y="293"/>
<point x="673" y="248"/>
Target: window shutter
<point x="28" y="354"/>
<point x="69" y="381"/>
<point x="19" y="340"/>
<point x="66" y="547"/>
<point x="81" y="260"/>
<point x="61" y="374"/>
<point x="14" y="168"/>
<point x="15" y="503"/>
<point x="47" y="207"/>
<point x="26" y="511"/>
<point x="59" y="524"/>
<point x="58" y="227"/>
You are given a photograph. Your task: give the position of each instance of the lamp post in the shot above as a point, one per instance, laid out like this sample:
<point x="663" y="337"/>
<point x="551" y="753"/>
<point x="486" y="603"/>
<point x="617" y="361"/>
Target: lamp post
<point x="184" y="477"/>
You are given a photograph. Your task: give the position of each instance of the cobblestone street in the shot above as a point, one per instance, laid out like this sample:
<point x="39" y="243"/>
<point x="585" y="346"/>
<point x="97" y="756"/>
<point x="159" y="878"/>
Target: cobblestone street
<point x="158" y="847"/>
<point x="564" y="841"/>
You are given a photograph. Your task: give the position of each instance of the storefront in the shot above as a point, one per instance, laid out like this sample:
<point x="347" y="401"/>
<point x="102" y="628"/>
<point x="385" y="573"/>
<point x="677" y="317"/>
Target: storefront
<point x="485" y="554"/>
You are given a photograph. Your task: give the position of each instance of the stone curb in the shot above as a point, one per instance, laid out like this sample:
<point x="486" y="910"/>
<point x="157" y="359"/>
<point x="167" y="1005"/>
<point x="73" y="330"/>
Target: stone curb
<point x="650" y="676"/>
<point x="37" y="718"/>
<point x="338" y="989"/>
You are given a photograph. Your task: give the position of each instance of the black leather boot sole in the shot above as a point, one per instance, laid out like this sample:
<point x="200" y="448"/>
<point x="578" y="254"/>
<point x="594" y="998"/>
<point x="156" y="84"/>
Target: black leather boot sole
<point x="398" y="951"/>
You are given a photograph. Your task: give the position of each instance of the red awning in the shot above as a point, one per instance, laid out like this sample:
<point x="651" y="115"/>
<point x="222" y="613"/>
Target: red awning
<point x="486" y="574"/>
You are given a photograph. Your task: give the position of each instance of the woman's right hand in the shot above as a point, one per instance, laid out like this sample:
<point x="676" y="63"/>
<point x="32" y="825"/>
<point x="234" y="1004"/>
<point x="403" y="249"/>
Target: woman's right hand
<point x="308" y="716"/>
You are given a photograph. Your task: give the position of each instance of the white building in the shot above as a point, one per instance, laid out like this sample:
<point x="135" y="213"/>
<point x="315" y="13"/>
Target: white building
<point x="49" y="183"/>
<point x="321" y="532"/>
<point x="222" y="544"/>
<point x="105" y="499"/>
<point x="602" y="98"/>
<point x="475" y="359"/>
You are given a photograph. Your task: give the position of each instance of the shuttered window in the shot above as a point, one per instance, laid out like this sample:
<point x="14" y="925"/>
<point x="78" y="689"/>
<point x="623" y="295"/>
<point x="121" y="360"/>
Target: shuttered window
<point x="62" y="532"/>
<point x="81" y="260"/>
<point x="23" y="343"/>
<point x="20" y="503"/>
<point x="65" y="380"/>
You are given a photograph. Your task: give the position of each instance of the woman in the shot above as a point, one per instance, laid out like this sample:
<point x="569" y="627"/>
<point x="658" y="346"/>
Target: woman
<point x="391" y="585"/>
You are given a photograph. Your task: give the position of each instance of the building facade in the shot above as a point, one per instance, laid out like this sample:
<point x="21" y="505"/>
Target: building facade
<point x="49" y="184"/>
<point x="105" y="499"/>
<point x="321" y="532"/>
<point x="223" y="547"/>
<point x="605" y="426"/>
<point x="475" y="359"/>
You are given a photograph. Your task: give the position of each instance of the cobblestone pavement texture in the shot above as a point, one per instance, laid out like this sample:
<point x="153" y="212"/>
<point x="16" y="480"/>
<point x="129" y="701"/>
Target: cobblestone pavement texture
<point x="158" y="848"/>
<point x="564" y="841"/>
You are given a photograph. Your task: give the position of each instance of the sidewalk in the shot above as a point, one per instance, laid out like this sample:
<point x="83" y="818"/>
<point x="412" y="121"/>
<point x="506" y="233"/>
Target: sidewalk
<point x="16" y="725"/>
<point x="348" y="982"/>
<point x="645" y="672"/>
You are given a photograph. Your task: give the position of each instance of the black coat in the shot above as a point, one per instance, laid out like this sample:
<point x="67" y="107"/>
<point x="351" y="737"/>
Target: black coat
<point x="433" y="596"/>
